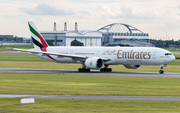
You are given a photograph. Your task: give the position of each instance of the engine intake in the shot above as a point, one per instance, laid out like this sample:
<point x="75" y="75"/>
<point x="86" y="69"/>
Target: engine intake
<point x="132" y="66"/>
<point x="94" y="63"/>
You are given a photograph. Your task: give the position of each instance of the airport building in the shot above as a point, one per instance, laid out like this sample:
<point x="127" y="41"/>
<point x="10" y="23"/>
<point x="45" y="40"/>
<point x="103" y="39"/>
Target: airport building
<point x="14" y="40"/>
<point x="110" y="35"/>
<point x="64" y="38"/>
<point x="10" y="39"/>
<point x="123" y="35"/>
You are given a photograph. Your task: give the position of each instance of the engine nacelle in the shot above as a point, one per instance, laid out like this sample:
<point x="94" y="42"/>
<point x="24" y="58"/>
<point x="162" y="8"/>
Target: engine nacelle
<point x="94" y="63"/>
<point x="132" y="66"/>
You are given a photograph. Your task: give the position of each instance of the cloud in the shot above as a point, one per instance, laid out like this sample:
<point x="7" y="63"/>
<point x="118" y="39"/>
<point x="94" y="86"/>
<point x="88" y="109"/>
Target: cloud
<point x="104" y="11"/>
<point x="134" y="12"/>
<point x="179" y="9"/>
<point x="125" y="11"/>
<point x="45" y="9"/>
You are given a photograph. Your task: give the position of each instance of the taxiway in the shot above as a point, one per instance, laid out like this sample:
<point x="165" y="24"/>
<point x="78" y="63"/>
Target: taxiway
<point x="83" y="97"/>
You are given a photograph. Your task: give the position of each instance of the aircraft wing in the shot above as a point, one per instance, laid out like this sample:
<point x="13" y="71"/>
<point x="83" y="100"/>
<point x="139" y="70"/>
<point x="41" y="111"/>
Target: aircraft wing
<point x="82" y="57"/>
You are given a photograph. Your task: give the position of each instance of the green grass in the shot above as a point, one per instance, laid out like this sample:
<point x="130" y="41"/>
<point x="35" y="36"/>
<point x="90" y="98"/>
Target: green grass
<point x="88" y="106"/>
<point x="52" y="84"/>
<point x="172" y="49"/>
<point x="19" y="57"/>
<point x="6" y="47"/>
<point x="176" y="54"/>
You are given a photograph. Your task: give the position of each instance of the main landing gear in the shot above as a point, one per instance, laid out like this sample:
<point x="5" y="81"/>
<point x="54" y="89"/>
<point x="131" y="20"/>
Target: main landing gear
<point x="162" y="66"/>
<point x="83" y="69"/>
<point x="105" y="69"/>
<point x="161" y="71"/>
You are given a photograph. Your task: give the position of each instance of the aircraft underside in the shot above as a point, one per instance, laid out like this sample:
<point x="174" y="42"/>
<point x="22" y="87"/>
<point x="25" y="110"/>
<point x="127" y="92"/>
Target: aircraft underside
<point x="98" y="64"/>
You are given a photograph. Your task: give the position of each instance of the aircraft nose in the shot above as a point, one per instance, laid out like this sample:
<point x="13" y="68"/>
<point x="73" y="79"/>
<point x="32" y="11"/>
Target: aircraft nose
<point x="172" y="58"/>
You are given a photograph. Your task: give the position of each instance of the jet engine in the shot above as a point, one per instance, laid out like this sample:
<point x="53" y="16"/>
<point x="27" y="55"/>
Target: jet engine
<point x="94" y="63"/>
<point x="132" y="66"/>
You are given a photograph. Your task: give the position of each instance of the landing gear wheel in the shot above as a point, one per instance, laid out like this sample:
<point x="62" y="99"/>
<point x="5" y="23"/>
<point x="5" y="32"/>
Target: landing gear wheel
<point x="83" y="70"/>
<point x="161" y="71"/>
<point x="109" y="70"/>
<point x="79" y="70"/>
<point x="105" y="70"/>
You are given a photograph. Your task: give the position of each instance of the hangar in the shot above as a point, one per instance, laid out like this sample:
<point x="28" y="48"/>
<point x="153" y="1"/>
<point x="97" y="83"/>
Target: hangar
<point x="109" y="35"/>
<point x="64" y="38"/>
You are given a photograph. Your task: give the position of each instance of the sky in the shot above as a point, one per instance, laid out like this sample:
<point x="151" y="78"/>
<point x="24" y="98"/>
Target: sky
<point x="159" y="18"/>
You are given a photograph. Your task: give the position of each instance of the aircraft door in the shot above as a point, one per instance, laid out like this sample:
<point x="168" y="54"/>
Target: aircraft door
<point x="154" y="54"/>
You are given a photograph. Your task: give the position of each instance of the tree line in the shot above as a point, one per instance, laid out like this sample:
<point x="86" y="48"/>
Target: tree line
<point x="165" y="44"/>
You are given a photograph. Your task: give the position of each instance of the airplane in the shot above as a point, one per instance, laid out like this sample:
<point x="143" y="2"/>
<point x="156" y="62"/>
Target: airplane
<point x="97" y="57"/>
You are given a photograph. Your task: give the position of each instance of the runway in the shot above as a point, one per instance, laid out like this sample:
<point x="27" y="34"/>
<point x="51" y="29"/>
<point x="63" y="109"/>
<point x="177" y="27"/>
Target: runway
<point x="93" y="72"/>
<point x="83" y="97"/>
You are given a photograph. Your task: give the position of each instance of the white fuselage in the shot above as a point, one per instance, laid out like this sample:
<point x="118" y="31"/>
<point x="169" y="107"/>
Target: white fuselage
<point x="117" y="55"/>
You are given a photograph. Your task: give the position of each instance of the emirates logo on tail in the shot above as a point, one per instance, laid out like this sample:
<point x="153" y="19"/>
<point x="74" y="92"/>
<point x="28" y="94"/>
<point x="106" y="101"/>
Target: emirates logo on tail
<point x="37" y="38"/>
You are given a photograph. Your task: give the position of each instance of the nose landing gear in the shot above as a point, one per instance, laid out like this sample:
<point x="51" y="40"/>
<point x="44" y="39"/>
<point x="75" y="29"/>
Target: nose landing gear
<point x="161" y="71"/>
<point x="162" y="66"/>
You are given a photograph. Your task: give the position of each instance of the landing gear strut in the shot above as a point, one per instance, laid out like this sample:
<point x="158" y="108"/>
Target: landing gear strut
<point x="161" y="71"/>
<point x="83" y="69"/>
<point x="105" y="69"/>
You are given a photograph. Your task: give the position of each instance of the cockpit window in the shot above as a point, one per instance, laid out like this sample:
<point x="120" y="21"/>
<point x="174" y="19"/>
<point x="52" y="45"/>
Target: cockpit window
<point x="168" y="54"/>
